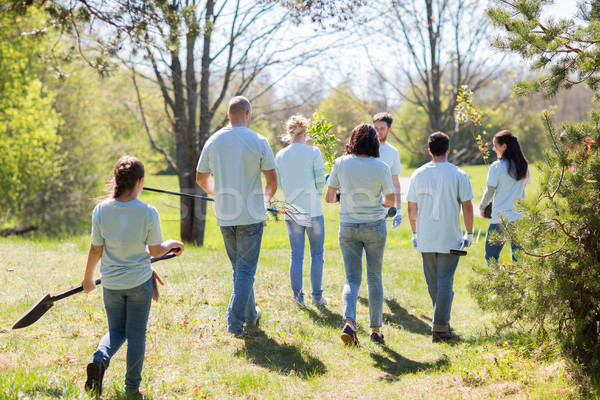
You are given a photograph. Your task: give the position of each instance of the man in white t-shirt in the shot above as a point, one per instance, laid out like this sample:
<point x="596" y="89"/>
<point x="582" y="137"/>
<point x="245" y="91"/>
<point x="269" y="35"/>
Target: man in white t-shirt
<point x="236" y="156"/>
<point x="438" y="191"/>
<point x="389" y="155"/>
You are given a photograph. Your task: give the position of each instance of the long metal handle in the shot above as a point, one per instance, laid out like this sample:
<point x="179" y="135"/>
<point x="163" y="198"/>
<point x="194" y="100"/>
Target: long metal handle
<point x="98" y="281"/>
<point x="179" y="194"/>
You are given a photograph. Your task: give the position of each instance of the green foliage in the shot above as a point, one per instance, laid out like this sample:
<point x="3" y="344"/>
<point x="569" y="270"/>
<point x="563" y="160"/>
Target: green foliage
<point x="554" y="286"/>
<point x="563" y="49"/>
<point x="319" y="131"/>
<point x="345" y="111"/>
<point x="29" y="144"/>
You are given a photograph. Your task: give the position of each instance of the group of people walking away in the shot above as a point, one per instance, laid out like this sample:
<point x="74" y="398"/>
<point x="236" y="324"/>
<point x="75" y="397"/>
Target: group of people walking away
<point x="126" y="232"/>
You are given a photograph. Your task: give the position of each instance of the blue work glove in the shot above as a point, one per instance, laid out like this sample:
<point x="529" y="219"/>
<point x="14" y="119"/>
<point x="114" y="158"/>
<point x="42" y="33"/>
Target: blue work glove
<point x="397" y="219"/>
<point x="467" y="240"/>
<point x="414" y="240"/>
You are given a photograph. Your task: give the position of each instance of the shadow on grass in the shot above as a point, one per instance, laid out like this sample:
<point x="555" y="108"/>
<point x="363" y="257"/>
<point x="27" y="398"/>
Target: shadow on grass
<point x="395" y="365"/>
<point x="284" y="359"/>
<point x="324" y="316"/>
<point x="400" y="318"/>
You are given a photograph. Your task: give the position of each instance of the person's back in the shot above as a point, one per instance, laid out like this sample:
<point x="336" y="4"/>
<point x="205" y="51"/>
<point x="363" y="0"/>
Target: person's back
<point x="296" y="166"/>
<point x="437" y="188"/>
<point x="363" y="180"/>
<point x="508" y="190"/>
<point x="124" y="229"/>
<point x="236" y="155"/>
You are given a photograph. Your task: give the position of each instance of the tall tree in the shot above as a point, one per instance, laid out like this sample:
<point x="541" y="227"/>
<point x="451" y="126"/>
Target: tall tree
<point x="428" y="50"/>
<point x="200" y="53"/>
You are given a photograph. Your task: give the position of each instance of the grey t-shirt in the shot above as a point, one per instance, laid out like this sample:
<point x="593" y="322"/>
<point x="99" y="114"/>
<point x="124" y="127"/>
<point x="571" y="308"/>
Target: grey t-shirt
<point x="236" y="156"/>
<point x="125" y="229"/>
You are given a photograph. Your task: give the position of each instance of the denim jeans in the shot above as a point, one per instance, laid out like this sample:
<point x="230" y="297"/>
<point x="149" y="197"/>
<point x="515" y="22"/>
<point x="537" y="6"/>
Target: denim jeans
<point x="439" y="269"/>
<point x="316" y="238"/>
<point x="493" y="249"/>
<point x="354" y="239"/>
<point x="127" y="312"/>
<point x="242" y="243"/>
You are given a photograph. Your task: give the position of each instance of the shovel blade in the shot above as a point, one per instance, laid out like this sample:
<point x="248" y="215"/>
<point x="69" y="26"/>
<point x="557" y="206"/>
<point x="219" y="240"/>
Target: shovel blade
<point x="35" y="312"/>
<point x="458" y="252"/>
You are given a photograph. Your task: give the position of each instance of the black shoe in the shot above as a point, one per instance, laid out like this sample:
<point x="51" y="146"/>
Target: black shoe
<point x="349" y="335"/>
<point x="443" y="336"/>
<point x="377" y="337"/>
<point x="95" y="374"/>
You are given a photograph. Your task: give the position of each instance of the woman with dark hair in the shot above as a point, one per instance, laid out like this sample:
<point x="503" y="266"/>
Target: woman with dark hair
<point x="365" y="185"/>
<point x="505" y="183"/>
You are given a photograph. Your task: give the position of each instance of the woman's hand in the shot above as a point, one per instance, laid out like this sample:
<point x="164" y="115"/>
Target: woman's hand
<point x="88" y="285"/>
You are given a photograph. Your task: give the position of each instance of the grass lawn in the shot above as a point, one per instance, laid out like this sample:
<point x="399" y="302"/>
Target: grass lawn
<point x="294" y="353"/>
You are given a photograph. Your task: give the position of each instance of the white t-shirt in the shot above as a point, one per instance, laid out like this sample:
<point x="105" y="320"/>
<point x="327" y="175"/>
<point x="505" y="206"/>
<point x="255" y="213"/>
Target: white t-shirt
<point x="125" y="229"/>
<point x="389" y="155"/>
<point x="236" y="156"/>
<point x="508" y="191"/>
<point x="296" y="166"/>
<point x="438" y="189"/>
<point x="363" y="181"/>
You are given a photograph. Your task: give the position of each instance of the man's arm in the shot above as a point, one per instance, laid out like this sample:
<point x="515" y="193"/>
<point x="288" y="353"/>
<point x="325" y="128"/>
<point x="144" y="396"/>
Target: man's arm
<point x="412" y="215"/>
<point x="388" y="201"/>
<point x="467" y="209"/>
<point x="270" y="184"/>
<point x="206" y="182"/>
<point x="397" y="192"/>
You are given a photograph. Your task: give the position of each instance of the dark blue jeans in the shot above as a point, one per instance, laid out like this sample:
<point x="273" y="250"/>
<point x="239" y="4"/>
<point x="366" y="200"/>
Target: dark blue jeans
<point x="493" y="249"/>
<point x="242" y="243"/>
<point x="127" y="312"/>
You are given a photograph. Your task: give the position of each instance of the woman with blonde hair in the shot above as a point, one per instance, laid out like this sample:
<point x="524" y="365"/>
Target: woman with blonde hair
<point x="301" y="175"/>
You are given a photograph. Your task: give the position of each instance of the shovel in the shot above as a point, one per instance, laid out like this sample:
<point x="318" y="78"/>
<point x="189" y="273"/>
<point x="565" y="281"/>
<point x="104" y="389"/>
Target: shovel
<point x="46" y="303"/>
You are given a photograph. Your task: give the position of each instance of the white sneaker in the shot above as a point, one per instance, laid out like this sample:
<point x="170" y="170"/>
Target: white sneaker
<point x="322" y="302"/>
<point x="256" y="319"/>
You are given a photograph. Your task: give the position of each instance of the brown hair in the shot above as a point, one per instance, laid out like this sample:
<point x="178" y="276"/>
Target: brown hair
<point x="384" y="117"/>
<point x="127" y="172"/>
<point x="363" y="141"/>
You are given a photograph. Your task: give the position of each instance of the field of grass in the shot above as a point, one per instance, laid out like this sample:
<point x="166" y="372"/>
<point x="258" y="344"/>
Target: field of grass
<point x="294" y="353"/>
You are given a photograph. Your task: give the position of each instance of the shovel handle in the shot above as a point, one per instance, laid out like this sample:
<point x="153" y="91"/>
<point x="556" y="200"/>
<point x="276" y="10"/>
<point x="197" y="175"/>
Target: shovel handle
<point x="98" y="281"/>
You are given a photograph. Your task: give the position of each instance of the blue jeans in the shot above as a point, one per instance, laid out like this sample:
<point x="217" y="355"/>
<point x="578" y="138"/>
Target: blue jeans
<point x="242" y="243"/>
<point x="354" y="239"/>
<point x="316" y="238"/>
<point x="127" y="312"/>
<point x="493" y="249"/>
<point x="439" y="269"/>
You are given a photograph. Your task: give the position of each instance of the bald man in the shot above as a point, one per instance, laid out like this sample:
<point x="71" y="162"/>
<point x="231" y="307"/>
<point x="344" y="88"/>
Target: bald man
<point x="236" y="156"/>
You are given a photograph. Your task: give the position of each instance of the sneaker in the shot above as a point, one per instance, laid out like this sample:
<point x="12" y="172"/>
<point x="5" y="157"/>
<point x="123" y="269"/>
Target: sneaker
<point x="349" y="335"/>
<point x="256" y="319"/>
<point x="134" y="395"/>
<point x="300" y="302"/>
<point x="95" y="374"/>
<point x="240" y="335"/>
<point x="322" y="302"/>
<point x="443" y="336"/>
<point x="377" y="337"/>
